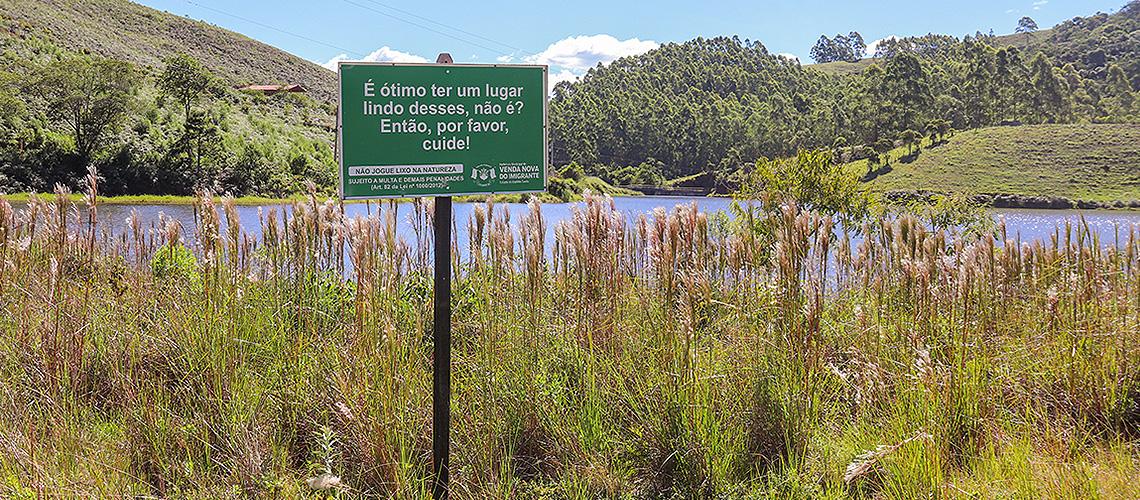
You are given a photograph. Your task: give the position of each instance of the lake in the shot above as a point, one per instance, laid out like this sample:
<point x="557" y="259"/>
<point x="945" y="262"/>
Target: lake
<point x="1028" y="224"/>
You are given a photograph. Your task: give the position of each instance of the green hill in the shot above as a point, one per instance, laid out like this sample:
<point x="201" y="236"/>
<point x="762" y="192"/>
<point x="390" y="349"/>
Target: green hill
<point x="1090" y="43"/>
<point x="1092" y="162"/>
<point x="123" y="30"/>
<point x="146" y="142"/>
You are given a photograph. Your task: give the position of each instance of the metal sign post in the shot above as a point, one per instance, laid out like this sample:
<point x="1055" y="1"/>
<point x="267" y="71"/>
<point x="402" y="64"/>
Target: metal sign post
<point x="440" y="130"/>
<point x="441" y="341"/>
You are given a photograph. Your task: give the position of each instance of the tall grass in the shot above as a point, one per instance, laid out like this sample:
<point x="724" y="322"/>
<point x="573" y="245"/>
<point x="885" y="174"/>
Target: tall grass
<point x="674" y="354"/>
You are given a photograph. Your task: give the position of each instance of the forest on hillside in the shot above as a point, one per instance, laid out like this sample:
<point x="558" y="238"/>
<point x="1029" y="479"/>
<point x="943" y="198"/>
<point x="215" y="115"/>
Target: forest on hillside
<point x="711" y="105"/>
<point x="170" y="129"/>
<point x="699" y="109"/>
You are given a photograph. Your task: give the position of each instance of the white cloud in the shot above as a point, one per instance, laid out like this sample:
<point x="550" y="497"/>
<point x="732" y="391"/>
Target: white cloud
<point x="383" y="54"/>
<point x="561" y="76"/>
<point x="580" y="53"/>
<point x="568" y="58"/>
<point x="789" y="56"/>
<point x="874" y="46"/>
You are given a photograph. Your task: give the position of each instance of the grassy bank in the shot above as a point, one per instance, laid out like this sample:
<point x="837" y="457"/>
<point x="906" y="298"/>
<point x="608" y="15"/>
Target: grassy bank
<point x="675" y="354"/>
<point x="1079" y="162"/>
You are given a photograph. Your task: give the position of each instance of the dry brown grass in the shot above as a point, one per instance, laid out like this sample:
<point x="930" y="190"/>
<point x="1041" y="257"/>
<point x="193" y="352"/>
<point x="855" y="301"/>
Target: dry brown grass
<point x="675" y="354"/>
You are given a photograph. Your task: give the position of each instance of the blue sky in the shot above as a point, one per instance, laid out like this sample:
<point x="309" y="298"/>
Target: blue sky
<point x="573" y="35"/>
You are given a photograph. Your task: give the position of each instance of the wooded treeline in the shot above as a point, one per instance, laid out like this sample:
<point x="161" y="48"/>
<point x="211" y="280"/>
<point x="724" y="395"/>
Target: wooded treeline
<point x="710" y="105"/>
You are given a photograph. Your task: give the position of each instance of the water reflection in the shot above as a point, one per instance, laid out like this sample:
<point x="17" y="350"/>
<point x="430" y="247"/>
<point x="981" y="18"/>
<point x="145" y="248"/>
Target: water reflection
<point x="1021" y="224"/>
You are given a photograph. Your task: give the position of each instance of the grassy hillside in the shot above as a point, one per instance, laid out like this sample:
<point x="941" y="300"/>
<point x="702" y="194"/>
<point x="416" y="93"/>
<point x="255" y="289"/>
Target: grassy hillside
<point x="1024" y="40"/>
<point x="1083" y="162"/>
<point x="127" y="31"/>
<point x="843" y="67"/>
<point x="241" y="143"/>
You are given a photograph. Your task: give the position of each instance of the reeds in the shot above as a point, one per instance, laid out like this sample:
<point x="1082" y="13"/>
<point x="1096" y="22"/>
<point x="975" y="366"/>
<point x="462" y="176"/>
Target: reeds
<point x="674" y="353"/>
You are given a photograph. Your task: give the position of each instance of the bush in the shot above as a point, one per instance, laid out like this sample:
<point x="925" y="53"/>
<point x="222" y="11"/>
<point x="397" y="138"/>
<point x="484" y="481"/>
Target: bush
<point x="564" y="189"/>
<point x="814" y="180"/>
<point x="174" y="263"/>
<point x="573" y="171"/>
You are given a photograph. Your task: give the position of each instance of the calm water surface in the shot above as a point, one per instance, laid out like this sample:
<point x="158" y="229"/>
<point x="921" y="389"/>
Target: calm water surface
<point x="1026" y="224"/>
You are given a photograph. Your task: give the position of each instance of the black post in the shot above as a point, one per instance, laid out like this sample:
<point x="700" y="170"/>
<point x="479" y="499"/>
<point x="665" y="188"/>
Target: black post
<point x="441" y="338"/>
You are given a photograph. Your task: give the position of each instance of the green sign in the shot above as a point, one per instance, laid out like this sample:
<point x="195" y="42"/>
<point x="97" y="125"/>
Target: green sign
<point x="441" y="130"/>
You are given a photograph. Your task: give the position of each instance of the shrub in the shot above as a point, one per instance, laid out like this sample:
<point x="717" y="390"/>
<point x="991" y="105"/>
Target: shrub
<point x="174" y="263"/>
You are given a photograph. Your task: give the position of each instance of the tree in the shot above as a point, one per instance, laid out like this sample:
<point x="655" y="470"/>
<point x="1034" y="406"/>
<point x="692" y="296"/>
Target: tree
<point x="1011" y="82"/>
<point x="11" y="118"/>
<point x="937" y="130"/>
<point x="883" y="148"/>
<point x="185" y="80"/>
<point x="930" y="46"/>
<point x="1026" y="25"/>
<point x="978" y="91"/>
<point x="858" y="48"/>
<point x="11" y="106"/>
<point x="910" y="138"/>
<point x="712" y="95"/>
<point x="931" y="130"/>
<point x="1118" y="93"/>
<point x="814" y="180"/>
<point x="649" y="173"/>
<point x="250" y="172"/>
<point x="872" y="163"/>
<point x="91" y="96"/>
<point x="196" y="158"/>
<point x="887" y="48"/>
<point x="824" y="50"/>
<point x="1049" y="99"/>
<point x="849" y="47"/>
<point x="906" y="90"/>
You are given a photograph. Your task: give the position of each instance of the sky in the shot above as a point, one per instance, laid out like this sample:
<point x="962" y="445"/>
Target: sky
<point x="573" y="35"/>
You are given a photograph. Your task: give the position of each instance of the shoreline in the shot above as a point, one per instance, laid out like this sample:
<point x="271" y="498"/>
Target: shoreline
<point x="1006" y="200"/>
<point x="241" y="201"/>
<point x="989" y="200"/>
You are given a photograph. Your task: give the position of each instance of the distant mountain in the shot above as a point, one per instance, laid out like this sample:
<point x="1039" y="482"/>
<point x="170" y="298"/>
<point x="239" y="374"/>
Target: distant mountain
<point x="128" y="31"/>
<point x="1091" y="43"/>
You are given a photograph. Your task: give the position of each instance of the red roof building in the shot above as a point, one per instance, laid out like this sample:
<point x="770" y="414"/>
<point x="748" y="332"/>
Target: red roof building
<point x="273" y="89"/>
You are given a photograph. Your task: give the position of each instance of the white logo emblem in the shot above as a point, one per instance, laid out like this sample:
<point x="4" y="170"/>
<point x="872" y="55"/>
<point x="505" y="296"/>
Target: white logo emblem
<point x="484" y="175"/>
